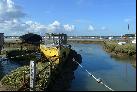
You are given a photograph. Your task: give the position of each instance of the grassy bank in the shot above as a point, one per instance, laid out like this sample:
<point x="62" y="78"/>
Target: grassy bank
<point x="23" y="56"/>
<point x="9" y="46"/>
<point x="60" y="76"/>
<point x="120" y="50"/>
<point x="18" y="79"/>
<point x="86" y="41"/>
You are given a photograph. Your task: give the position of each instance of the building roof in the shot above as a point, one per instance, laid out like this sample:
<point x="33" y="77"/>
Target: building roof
<point x="129" y="35"/>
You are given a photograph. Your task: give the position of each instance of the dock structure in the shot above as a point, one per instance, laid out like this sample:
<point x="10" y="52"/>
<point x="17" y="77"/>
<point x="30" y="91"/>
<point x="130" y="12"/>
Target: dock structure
<point x="1" y="41"/>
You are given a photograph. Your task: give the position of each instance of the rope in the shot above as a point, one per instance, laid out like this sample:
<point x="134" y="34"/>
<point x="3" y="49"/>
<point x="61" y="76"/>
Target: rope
<point x="98" y="80"/>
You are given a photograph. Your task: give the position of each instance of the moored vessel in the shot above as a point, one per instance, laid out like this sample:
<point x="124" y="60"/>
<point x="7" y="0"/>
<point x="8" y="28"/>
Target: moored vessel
<point x="55" y="47"/>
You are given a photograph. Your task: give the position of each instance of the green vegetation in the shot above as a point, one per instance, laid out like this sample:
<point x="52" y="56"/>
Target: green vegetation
<point x="31" y="38"/>
<point x="86" y="41"/>
<point x="24" y="56"/>
<point x="15" y="78"/>
<point x="127" y="49"/>
<point x="19" y="79"/>
<point x="60" y="75"/>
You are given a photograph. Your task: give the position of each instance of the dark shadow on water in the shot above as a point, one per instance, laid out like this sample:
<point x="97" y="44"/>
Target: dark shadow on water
<point x="6" y="67"/>
<point x="1" y="72"/>
<point x="62" y="80"/>
<point x="101" y="64"/>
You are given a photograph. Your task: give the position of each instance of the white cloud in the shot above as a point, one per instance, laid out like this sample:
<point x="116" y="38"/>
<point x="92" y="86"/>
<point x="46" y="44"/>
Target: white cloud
<point x="35" y="27"/>
<point x="8" y="10"/>
<point x="11" y="24"/>
<point x="10" y="17"/>
<point x="91" y="28"/>
<point x="68" y="27"/>
<point x="53" y="27"/>
<point x="18" y="27"/>
<point x="56" y="27"/>
<point x="55" y="24"/>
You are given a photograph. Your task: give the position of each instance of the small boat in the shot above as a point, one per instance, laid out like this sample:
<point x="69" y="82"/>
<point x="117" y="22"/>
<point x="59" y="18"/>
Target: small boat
<point x="55" y="47"/>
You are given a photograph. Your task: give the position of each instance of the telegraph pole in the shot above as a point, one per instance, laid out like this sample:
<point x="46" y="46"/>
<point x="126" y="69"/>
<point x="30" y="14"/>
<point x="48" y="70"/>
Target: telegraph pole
<point x="128" y="28"/>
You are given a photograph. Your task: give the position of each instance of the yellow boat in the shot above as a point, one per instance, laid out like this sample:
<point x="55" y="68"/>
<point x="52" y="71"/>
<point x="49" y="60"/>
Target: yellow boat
<point x="55" y="48"/>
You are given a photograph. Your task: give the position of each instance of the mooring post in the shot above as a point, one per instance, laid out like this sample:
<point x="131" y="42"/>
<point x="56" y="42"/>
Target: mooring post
<point x="32" y="75"/>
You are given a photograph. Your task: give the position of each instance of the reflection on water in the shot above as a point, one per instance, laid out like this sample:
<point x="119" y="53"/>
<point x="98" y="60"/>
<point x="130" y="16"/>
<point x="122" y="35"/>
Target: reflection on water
<point x="118" y="73"/>
<point x="6" y="67"/>
<point x="123" y="59"/>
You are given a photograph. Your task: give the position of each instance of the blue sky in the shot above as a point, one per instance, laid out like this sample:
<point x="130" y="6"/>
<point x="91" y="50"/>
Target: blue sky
<point x="88" y="17"/>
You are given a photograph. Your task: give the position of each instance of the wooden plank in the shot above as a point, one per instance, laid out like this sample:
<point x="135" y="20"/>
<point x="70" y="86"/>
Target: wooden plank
<point x="32" y="75"/>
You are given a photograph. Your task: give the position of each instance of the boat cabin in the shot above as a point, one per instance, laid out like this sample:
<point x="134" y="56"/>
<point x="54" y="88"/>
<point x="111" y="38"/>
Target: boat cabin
<point x="55" y="39"/>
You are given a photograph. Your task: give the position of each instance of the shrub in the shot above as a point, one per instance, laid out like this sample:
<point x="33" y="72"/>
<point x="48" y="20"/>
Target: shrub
<point x="130" y="49"/>
<point x="110" y="45"/>
<point x="119" y="49"/>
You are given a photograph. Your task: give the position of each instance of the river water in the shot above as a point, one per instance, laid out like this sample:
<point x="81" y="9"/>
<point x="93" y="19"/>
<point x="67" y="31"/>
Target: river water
<point x="119" y="74"/>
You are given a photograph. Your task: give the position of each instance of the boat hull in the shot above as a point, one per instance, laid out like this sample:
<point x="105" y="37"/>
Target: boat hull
<point x="55" y="54"/>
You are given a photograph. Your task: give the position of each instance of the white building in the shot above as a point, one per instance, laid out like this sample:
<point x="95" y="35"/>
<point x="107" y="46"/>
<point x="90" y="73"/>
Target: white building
<point x="134" y="41"/>
<point x="121" y="43"/>
<point x="110" y="38"/>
